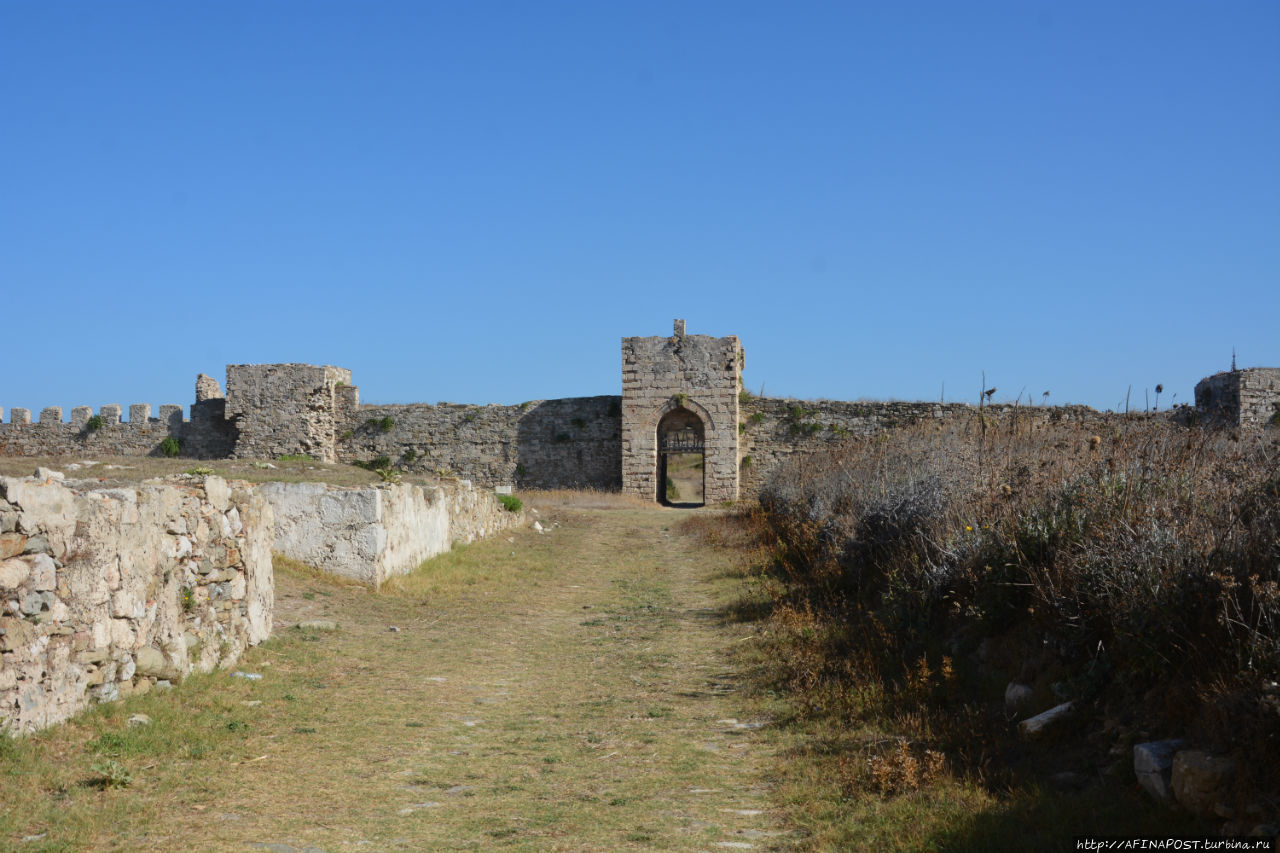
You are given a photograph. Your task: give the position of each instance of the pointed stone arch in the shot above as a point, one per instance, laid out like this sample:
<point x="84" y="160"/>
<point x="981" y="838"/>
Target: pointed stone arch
<point x="682" y="402"/>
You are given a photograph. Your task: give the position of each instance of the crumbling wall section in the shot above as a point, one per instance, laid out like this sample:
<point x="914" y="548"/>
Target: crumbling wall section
<point x="1240" y="398"/>
<point x="108" y="592"/>
<point x="285" y="409"/>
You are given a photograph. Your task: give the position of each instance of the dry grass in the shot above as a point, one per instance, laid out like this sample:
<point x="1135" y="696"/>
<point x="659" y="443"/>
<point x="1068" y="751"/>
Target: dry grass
<point x="566" y="691"/>
<point x="584" y="499"/>
<point x="919" y="572"/>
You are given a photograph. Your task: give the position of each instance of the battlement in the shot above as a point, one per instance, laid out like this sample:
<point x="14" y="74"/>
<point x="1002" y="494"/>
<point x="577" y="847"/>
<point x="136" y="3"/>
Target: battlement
<point x="112" y="414"/>
<point x="205" y="435"/>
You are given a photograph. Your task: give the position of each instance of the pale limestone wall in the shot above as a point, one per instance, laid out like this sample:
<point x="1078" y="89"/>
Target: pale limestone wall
<point x="285" y="409"/>
<point x="370" y="534"/>
<point x="698" y="373"/>
<point x="1241" y="398"/>
<point x="107" y="592"/>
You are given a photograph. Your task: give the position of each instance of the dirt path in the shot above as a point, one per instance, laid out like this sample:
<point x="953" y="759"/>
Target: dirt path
<point x="566" y="691"/>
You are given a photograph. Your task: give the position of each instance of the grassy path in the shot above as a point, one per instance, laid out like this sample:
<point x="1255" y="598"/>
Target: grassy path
<point x="567" y="691"/>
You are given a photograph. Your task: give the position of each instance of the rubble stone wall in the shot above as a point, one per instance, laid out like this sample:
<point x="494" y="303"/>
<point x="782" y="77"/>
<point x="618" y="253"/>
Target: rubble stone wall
<point x="107" y="592"/>
<point x="285" y="409"/>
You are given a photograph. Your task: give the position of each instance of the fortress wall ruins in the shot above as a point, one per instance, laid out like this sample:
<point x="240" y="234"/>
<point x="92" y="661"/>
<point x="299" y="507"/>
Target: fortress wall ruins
<point x="370" y="534"/>
<point x="206" y="435"/>
<point x="285" y="409"/>
<point x="107" y="592"/>
<point x="772" y="429"/>
<point x="1241" y="398"/>
<point x="542" y="444"/>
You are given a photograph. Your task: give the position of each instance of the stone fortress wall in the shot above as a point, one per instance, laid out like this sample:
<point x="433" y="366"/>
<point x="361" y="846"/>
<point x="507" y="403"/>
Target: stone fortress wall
<point x="542" y="444"/>
<point x="206" y="435"/>
<point x="604" y="442"/>
<point x="1241" y="398"/>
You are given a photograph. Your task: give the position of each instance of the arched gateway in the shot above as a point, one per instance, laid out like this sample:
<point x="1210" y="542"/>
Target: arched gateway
<point x="680" y="395"/>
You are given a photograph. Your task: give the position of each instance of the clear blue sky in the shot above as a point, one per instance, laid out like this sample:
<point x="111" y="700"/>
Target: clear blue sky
<point x="474" y="201"/>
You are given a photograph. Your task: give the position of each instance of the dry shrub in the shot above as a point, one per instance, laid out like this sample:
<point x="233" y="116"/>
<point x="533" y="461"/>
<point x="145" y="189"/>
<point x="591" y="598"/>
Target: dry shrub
<point x="1124" y="556"/>
<point x="890" y="769"/>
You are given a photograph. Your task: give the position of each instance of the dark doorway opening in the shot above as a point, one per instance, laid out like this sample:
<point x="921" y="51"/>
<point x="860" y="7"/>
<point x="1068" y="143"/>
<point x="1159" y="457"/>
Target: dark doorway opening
<point x="681" y="460"/>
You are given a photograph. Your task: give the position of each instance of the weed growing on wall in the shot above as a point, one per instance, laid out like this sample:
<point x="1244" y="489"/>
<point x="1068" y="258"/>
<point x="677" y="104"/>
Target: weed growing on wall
<point x="375" y="464"/>
<point x="510" y="503"/>
<point x="95" y="423"/>
<point x="170" y="446"/>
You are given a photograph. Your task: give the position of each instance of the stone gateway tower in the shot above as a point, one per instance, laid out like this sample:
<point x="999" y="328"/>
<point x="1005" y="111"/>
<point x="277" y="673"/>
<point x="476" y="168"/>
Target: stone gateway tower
<point x="680" y="395"/>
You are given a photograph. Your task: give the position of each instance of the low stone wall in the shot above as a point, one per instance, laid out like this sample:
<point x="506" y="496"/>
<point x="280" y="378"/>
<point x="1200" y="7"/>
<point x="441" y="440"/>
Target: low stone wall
<point x="107" y="592"/>
<point x="369" y="534"/>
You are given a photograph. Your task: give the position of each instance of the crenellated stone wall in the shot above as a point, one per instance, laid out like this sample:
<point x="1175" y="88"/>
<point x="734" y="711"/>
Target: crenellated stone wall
<point x="107" y="592"/>
<point x="206" y="435"/>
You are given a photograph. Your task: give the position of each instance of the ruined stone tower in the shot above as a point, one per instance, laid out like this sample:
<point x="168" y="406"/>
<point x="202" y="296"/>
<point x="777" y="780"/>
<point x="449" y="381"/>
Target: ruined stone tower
<point x="680" y="394"/>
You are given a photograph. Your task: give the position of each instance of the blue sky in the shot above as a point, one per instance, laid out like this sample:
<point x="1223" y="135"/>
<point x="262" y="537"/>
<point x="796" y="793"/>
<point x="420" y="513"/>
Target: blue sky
<point x="474" y="201"/>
